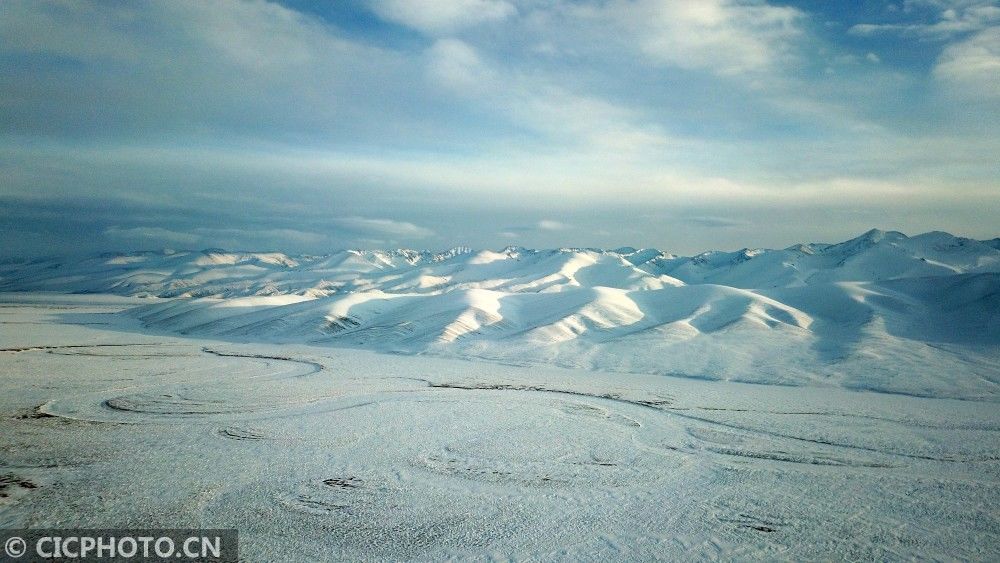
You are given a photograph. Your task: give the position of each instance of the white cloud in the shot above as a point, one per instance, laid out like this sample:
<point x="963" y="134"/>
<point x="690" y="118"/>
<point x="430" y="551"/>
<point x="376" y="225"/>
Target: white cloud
<point x="197" y="68"/>
<point x="386" y="227"/>
<point x="971" y="68"/>
<point x="954" y="18"/>
<point x="539" y="104"/>
<point x="442" y="16"/>
<point x="456" y="66"/>
<point x="544" y="225"/>
<point x="727" y="37"/>
<point x="551" y="225"/>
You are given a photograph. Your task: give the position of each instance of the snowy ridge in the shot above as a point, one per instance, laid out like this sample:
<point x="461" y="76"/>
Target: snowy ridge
<point x="873" y="256"/>
<point x="917" y="315"/>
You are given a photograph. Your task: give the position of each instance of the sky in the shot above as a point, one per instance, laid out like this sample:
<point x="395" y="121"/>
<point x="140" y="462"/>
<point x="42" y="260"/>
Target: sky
<point x="308" y="127"/>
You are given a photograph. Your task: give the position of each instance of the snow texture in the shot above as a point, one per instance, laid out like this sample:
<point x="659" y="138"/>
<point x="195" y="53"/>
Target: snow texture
<point x="330" y="453"/>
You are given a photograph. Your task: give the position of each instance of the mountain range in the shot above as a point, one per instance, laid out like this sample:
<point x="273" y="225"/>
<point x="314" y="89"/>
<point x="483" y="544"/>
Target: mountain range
<point x="916" y="315"/>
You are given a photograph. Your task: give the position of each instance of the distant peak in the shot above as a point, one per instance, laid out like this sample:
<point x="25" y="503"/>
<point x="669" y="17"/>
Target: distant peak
<point x="869" y="239"/>
<point x="803" y="248"/>
<point x="877" y="235"/>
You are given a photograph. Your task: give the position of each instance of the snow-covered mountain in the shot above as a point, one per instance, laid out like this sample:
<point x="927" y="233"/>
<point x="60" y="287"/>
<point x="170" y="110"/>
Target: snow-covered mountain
<point x="918" y="315"/>
<point x="874" y="256"/>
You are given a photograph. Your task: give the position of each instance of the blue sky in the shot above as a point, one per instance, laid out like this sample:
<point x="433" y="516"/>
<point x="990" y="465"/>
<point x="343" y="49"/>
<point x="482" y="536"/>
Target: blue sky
<point x="306" y="127"/>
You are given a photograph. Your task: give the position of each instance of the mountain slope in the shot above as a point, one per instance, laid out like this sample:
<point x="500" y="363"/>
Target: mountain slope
<point x="917" y="315"/>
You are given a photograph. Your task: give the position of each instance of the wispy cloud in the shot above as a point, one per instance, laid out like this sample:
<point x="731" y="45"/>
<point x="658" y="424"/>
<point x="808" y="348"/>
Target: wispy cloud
<point x="443" y="16"/>
<point x="712" y="222"/>
<point x="726" y="37"/>
<point x="542" y="225"/>
<point x="971" y="68"/>
<point x="552" y="225"/>
<point x="953" y="18"/>
<point x="386" y="227"/>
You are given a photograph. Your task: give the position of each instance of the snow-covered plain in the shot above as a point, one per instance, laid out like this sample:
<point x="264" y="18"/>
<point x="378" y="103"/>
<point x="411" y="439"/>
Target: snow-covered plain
<point x="817" y="402"/>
